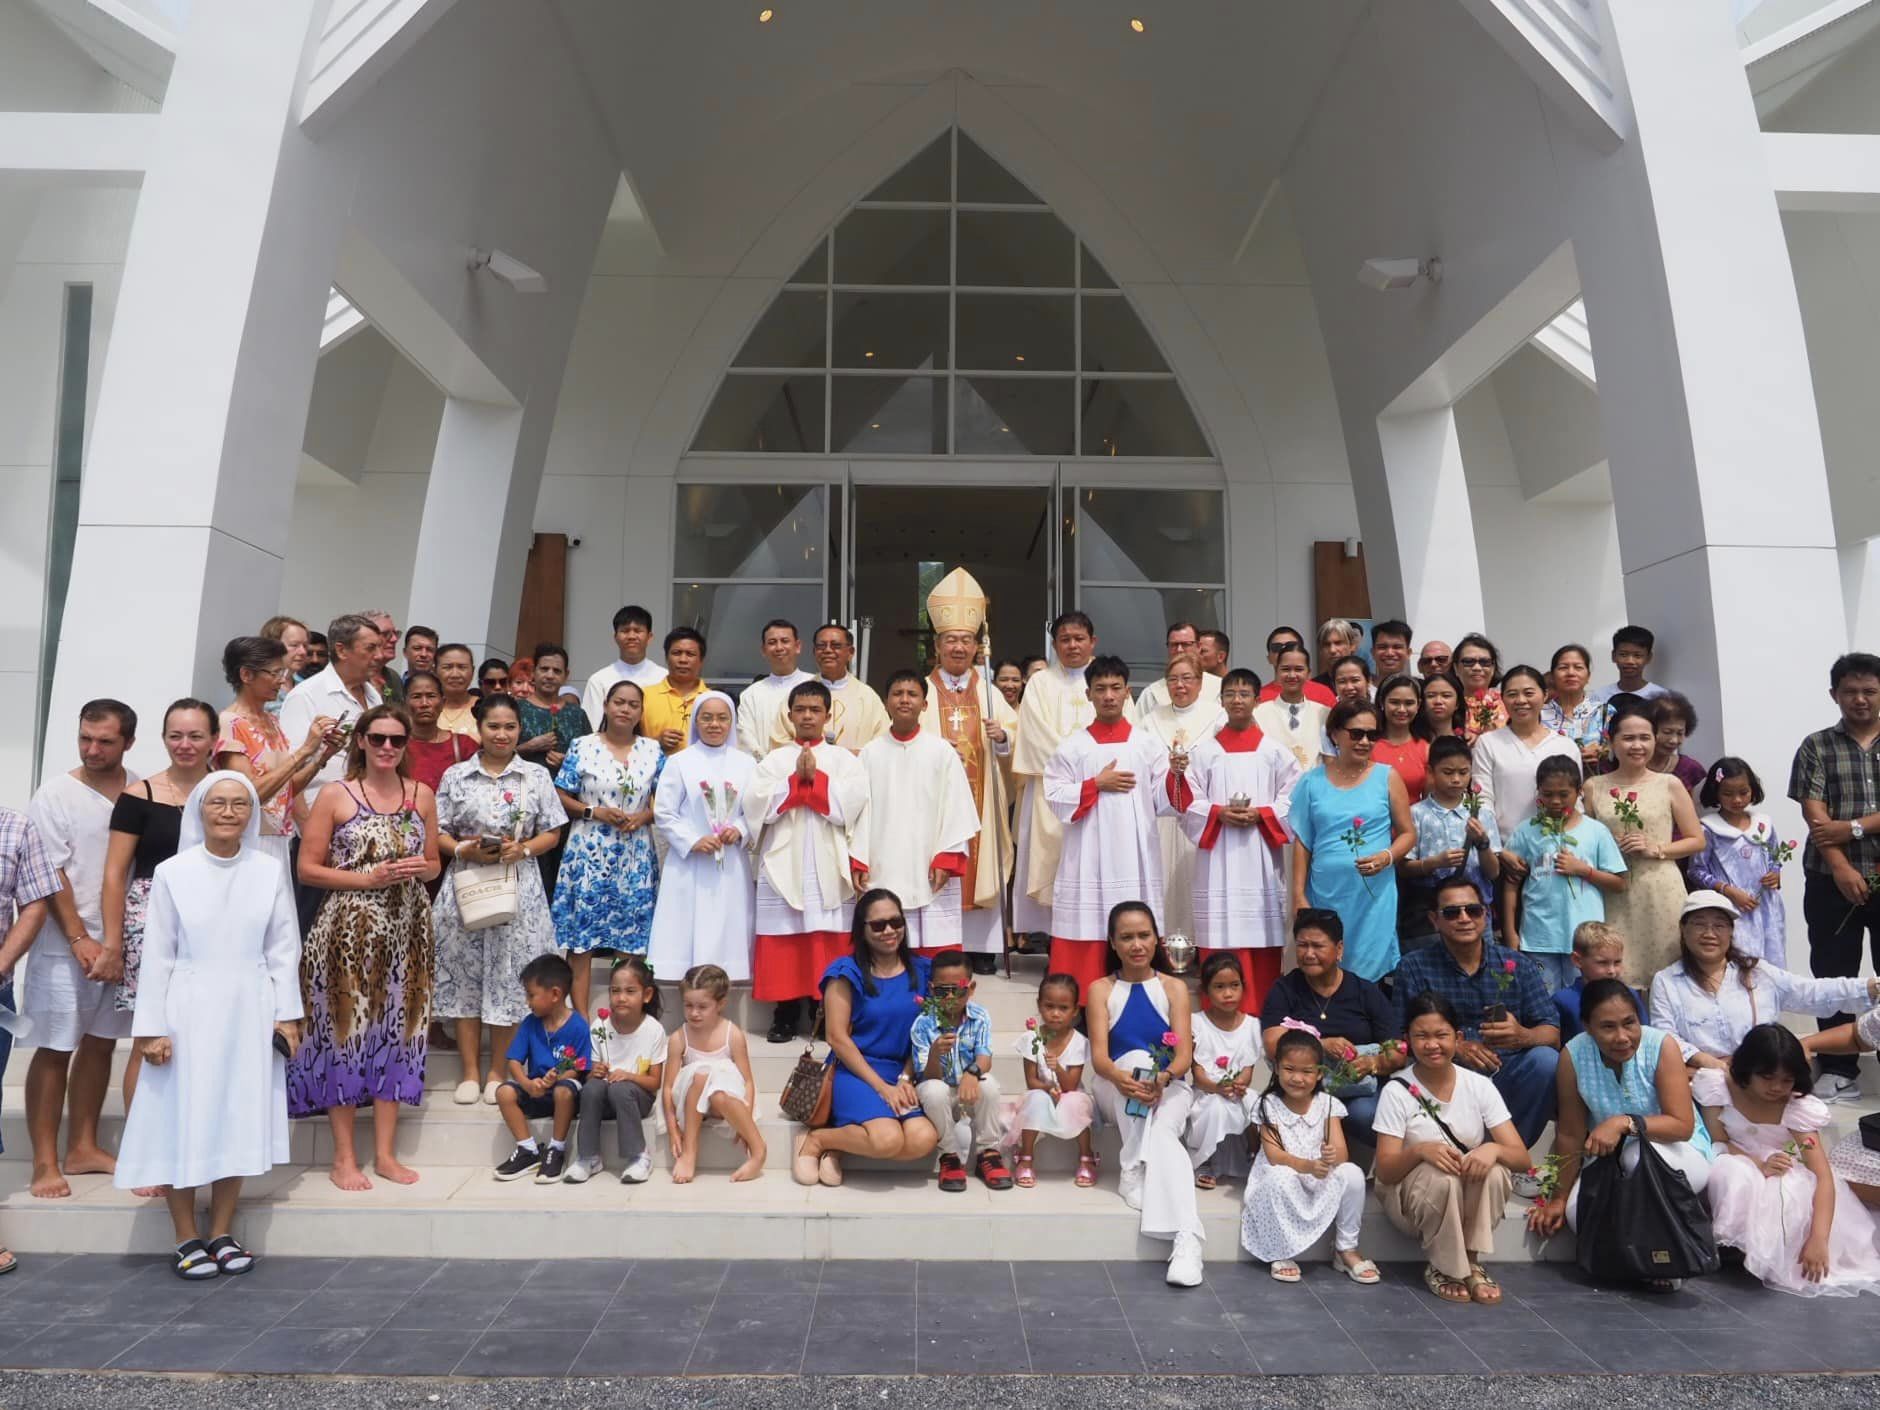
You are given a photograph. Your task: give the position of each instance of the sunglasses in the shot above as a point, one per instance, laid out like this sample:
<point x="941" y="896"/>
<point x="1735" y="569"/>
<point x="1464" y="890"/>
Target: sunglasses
<point x="385" y="741"/>
<point x="946" y="991"/>
<point x="882" y="927"/>
<point x="1487" y="661"/>
<point x="1474" y="910"/>
<point x="1360" y="736"/>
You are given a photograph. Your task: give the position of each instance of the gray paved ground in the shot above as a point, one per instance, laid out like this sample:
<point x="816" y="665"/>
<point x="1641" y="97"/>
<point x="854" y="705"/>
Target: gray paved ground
<point x="608" y="1318"/>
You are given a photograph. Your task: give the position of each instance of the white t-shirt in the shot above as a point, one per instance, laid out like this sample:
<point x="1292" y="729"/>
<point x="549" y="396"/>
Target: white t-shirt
<point x="74" y="824"/>
<point x="1076" y="1052"/>
<point x="646" y="1043"/>
<point x="1473" y="1110"/>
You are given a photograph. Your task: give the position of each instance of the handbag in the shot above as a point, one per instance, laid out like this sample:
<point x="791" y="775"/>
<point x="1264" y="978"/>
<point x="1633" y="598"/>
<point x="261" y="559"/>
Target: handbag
<point x="1870" y="1131"/>
<point x="1645" y="1224"/>
<point x="487" y="894"/>
<point x="810" y="1087"/>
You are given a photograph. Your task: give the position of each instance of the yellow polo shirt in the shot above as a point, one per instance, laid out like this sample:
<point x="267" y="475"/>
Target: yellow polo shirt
<point x="667" y="709"/>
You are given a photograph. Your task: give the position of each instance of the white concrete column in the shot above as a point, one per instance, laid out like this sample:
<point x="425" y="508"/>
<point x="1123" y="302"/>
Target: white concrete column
<point x="1431" y="522"/>
<point x="189" y="479"/>
<point x="1719" y="481"/>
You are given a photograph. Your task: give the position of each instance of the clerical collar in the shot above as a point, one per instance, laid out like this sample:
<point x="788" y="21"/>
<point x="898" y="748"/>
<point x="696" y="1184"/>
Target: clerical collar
<point x="1109" y="732"/>
<point x="836" y="684"/>
<point x="913" y="730"/>
<point x="781" y="681"/>
<point x="1074" y="671"/>
<point x="954" y="682"/>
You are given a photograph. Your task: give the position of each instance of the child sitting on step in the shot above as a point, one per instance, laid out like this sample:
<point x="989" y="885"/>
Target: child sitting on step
<point x="629" y="1065"/>
<point x="708" y="1073"/>
<point x="548" y="1060"/>
<point x="1227" y="1048"/>
<point x="1055" y="1103"/>
<point x="952" y="1059"/>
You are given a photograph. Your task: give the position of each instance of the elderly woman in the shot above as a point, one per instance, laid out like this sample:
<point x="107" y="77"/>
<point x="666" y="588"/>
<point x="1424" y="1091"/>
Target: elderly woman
<point x="1351" y="1016"/>
<point x="1616" y="1071"/>
<point x="220" y="991"/>
<point x="1184" y="723"/>
<point x="871" y="998"/>
<point x="1714" y="994"/>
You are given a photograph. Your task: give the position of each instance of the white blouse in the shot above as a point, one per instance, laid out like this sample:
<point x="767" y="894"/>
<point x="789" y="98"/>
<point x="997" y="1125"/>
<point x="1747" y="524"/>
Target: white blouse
<point x="1717" y="1023"/>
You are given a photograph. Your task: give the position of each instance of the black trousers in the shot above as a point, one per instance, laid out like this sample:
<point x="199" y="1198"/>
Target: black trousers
<point x="1835" y="932"/>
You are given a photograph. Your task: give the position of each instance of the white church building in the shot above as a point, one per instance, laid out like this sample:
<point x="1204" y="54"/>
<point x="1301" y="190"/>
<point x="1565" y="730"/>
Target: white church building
<point x="766" y="308"/>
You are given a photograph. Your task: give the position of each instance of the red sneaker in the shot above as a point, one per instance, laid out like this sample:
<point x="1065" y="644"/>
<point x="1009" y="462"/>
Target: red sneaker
<point x="952" y="1174"/>
<point x="992" y="1170"/>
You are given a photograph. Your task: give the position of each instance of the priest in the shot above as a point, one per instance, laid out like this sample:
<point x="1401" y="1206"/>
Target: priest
<point x="1186" y="715"/>
<point x="1105" y="786"/>
<point x="763" y="705"/>
<point x="921" y="819"/>
<point x="808" y="815"/>
<point x="1183" y="640"/>
<point x="856" y="714"/>
<point x="979" y="724"/>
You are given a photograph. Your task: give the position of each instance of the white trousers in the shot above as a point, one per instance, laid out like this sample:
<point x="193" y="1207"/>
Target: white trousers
<point x="1679" y="1155"/>
<point x="1154" y="1142"/>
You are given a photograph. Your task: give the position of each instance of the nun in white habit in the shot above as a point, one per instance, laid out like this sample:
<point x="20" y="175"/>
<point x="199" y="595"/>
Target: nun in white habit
<point x="707" y="890"/>
<point x="220" y="978"/>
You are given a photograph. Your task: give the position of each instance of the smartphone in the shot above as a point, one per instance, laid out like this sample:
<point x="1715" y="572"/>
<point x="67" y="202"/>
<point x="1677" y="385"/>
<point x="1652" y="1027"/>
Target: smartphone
<point x="1133" y="1107"/>
<point x="490" y="842"/>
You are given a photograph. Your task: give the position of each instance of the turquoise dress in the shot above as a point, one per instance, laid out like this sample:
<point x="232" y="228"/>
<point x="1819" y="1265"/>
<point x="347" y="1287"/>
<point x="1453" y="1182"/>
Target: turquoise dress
<point x="1632" y="1090"/>
<point x="1322" y="816"/>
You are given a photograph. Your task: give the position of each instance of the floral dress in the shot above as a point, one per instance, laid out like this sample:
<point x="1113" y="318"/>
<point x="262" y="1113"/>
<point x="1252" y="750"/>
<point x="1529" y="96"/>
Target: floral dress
<point x="609" y="877"/>
<point x="479" y="971"/>
<point x="1733" y="857"/>
<point x="1285" y="1211"/>
<point x="1482" y="713"/>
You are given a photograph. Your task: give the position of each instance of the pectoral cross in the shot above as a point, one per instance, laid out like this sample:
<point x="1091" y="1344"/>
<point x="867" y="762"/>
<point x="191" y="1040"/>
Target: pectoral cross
<point x="956" y="718"/>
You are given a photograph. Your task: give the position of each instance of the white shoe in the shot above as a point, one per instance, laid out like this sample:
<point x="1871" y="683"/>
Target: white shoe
<point x="1832" y="1087"/>
<point x="639" y="1172"/>
<point x="489" y="1092"/>
<point x="1184" y="1264"/>
<point x="1129" y="1185"/>
<point x="466" y="1093"/>
<point x="583" y="1170"/>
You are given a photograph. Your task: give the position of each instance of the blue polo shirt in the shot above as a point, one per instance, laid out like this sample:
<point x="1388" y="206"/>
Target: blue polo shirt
<point x="538" y="1050"/>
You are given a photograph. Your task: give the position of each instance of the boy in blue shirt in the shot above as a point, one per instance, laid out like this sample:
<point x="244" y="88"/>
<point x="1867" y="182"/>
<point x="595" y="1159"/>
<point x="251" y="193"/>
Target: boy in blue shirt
<point x="1598" y="953"/>
<point x="1450" y="838"/>
<point x="1572" y="862"/>
<point x="548" y="1060"/>
<point x="952" y="1040"/>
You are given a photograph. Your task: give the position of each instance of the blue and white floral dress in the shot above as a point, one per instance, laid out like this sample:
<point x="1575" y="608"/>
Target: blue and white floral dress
<point x="609" y="878"/>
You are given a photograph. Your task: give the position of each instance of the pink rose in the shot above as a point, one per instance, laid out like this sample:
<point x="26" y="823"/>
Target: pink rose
<point x="1169" y="1039"/>
<point x="1220" y="1062"/>
<point x="1416" y="1091"/>
<point x="1615" y="792"/>
<point x="508" y="797"/>
<point x="1507" y="966"/>
<point x="1631" y="797"/>
<point x="1032" y="1024"/>
<point x="1357" y="823"/>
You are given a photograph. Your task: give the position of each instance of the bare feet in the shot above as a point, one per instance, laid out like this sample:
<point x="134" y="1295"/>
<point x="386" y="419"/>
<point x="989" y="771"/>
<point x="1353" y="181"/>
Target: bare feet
<point x="752" y="1169"/>
<point x="151" y="1191"/>
<point x="388" y="1169"/>
<point x="829" y="1169"/>
<point x="349" y="1177"/>
<point x="684" y="1167"/>
<point x="48" y="1183"/>
<point x="89" y="1160"/>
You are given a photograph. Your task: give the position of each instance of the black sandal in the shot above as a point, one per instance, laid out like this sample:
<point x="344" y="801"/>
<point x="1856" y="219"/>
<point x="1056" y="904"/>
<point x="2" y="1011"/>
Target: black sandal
<point x="230" y="1257"/>
<point x="193" y="1262"/>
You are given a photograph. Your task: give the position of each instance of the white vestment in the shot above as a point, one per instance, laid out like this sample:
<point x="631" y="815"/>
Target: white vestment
<point x="920" y="809"/>
<point x="1239" y="888"/>
<point x="1111" y="850"/>
<point x="706" y="902"/>
<point x="761" y="705"/>
<point x="803" y="880"/>
<point x="1183" y="728"/>
<point x="1155" y="694"/>
<point x="1303" y="740"/>
<point x="594" y="698"/>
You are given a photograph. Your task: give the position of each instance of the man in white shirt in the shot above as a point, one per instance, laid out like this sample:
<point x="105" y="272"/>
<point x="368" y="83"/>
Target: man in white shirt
<point x="332" y="700"/>
<point x="633" y="635"/>
<point x="71" y="974"/>
<point x="1183" y="640"/>
<point x="856" y="714"/>
<point x="764" y="704"/>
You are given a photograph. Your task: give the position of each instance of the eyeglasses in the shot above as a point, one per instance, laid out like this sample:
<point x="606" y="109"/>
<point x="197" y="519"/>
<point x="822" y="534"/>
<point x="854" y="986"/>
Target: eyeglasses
<point x="226" y="805"/>
<point x="882" y="927"/>
<point x="1360" y="736"/>
<point x="946" y="991"/>
<point x="1474" y="910"/>
<point x="385" y="741"/>
<point x="496" y="682"/>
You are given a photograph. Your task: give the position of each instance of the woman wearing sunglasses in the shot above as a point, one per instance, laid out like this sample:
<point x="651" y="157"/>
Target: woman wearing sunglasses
<point x="367" y="965"/>
<point x="870" y="1001"/>
<point x="1351" y="819"/>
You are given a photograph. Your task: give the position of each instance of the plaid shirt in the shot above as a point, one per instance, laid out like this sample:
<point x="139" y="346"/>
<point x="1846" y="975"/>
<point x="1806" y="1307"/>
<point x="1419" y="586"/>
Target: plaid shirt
<point x="1434" y="969"/>
<point x="975" y="1038"/>
<point x="25" y="874"/>
<point x="1831" y="768"/>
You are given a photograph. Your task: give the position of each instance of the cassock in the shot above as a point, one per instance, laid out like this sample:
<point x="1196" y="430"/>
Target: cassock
<point x="856" y="715"/>
<point x="921" y="816"/>
<point x="1298" y="729"/>
<point x="956" y="712"/>
<point x="806" y="836"/>
<point x="704" y="912"/>
<point x="1239" y="892"/>
<point x="1111" y="850"/>
<point x="1180" y="728"/>
<point x="1155" y="694"/>
<point x="1055" y="705"/>
<point x="761" y="705"/>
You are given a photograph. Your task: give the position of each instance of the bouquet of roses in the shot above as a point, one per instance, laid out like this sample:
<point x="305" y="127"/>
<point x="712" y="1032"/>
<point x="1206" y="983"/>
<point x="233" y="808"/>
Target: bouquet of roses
<point x="1472" y="800"/>
<point x="720" y="817"/>
<point x="1546" y="1175"/>
<point x="1778" y="850"/>
<point x="1625" y="808"/>
<point x="567" y="1060"/>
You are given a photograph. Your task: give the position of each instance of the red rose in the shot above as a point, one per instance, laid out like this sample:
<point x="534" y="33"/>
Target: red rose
<point x="1615" y="793"/>
<point x="1631" y="797"/>
<point x="1508" y="966"/>
<point x="1220" y="1062"/>
<point x="601" y="1013"/>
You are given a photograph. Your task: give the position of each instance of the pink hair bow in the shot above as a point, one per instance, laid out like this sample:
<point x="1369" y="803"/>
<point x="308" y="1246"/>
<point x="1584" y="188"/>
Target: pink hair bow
<point x="1296" y="1025"/>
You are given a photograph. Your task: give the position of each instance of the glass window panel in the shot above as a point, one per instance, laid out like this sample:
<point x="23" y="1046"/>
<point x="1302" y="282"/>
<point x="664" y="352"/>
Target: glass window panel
<point x="927" y="178"/>
<point x="1095" y="276"/>
<point x="1158" y="536"/>
<point x="815" y="269"/>
<point x="1115" y="339"/>
<point x="906" y="331"/>
<point x="1016" y="249"/>
<point x="790" y="334"/>
<point x="889" y="415"/>
<point x="764" y="414"/>
<point x="892" y="247"/>
<point x="1012" y="416"/>
<point x="1139" y="418"/>
<point x="748" y="531"/>
<point x="68" y="453"/>
<point x="983" y="179"/>
<point x="1031" y="331"/>
<point x="732" y="617"/>
<point x="1133" y="622"/>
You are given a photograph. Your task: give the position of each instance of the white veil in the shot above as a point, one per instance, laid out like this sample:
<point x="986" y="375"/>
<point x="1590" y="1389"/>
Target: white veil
<point x="692" y="741"/>
<point x="192" y="831"/>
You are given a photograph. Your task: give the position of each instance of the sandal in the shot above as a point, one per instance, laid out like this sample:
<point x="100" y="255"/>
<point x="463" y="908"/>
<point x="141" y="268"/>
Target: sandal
<point x="1086" y="1172"/>
<point x="230" y="1257"/>
<point x="11" y="1264"/>
<point x="1483" y="1288"/>
<point x="1448" y="1289"/>
<point x="1363" y="1272"/>
<point x="1203" y="1182"/>
<point x="1285" y="1271"/>
<point x="1022" y="1176"/>
<point x="193" y="1262"/>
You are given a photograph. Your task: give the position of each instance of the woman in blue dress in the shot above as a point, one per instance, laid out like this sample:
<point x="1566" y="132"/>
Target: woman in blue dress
<point x="1351" y="819"/>
<point x="870" y="1001"/>
<point x="609" y="872"/>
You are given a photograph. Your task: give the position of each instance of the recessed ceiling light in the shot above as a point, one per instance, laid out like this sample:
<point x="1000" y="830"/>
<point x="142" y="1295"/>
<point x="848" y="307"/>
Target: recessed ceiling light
<point x="1136" y="25"/>
<point x="867" y="354"/>
<point x="874" y="425"/>
<point x="765" y="15"/>
<point x="1018" y="357"/>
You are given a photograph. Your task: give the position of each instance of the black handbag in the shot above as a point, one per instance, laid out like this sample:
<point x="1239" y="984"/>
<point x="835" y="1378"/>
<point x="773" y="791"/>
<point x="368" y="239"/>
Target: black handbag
<point x="1643" y="1225"/>
<point x="1870" y="1131"/>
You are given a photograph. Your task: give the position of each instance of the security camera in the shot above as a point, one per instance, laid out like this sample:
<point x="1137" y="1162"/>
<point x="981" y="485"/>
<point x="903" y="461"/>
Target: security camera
<point x="510" y="270"/>
<point x="1383" y="274"/>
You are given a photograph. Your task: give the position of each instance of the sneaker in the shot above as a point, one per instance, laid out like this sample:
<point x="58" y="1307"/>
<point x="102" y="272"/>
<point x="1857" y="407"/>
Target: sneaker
<point x="521" y="1161"/>
<point x="952" y="1174"/>
<point x="554" y="1166"/>
<point x="585" y="1169"/>
<point x="638" y="1172"/>
<point x="1184" y="1264"/>
<point x="1833" y="1087"/>
<point x="991" y="1168"/>
<point x="1129" y="1186"/>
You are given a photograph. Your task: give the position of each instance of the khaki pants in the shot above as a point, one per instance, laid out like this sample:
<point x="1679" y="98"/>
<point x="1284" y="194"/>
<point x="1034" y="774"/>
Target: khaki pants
<point x="950" y="1116"/>
<point x="1451" y="1218"/>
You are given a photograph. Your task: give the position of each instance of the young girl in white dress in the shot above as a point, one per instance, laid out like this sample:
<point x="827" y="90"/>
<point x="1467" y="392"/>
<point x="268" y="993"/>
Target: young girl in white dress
<point x="1301" y="1182"/>
<point x="1772" y="1193"/>
<point x="1227" y="1048"/>
<point x="708" y="1073"/>
<point x="707" y="891"/>
<point x="1054" y="1104"/>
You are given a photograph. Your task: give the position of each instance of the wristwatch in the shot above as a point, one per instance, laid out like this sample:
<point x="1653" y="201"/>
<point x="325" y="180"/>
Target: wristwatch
<point x="587" y="813"/>
<point x="1855" y="830"/>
